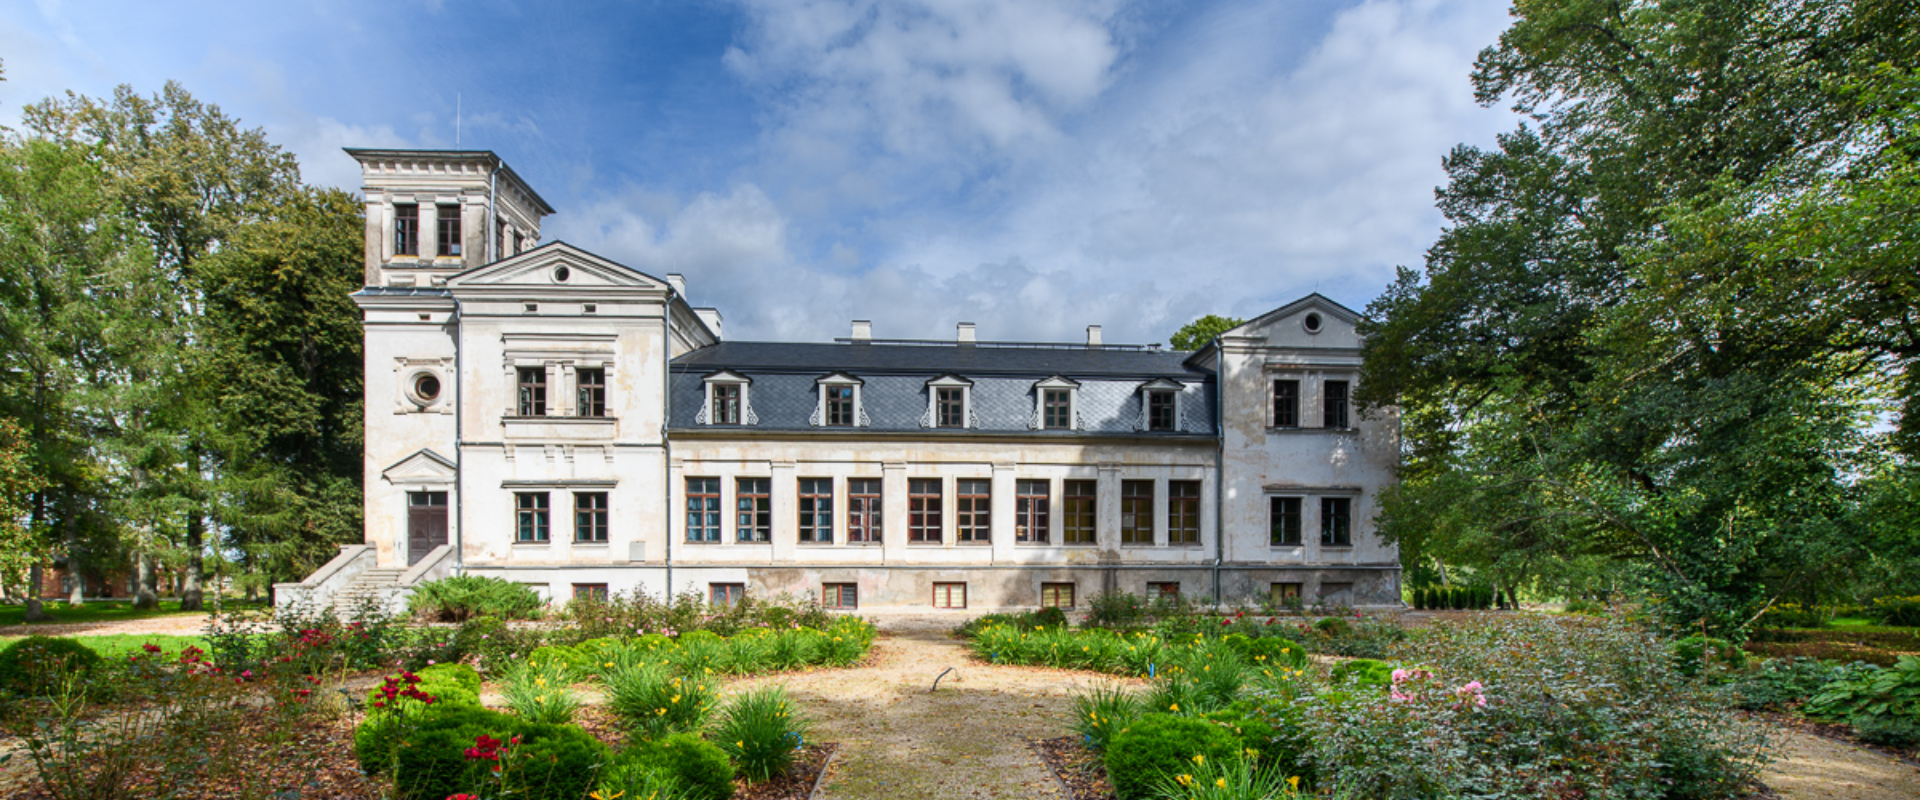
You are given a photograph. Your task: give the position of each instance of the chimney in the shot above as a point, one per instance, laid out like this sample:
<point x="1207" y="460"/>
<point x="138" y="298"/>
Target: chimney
<point x="710" y="316"/>
<point x="1093" y="336"/>
<point x="966" y="333"/>
<point x="679" y="284"/>
<point x="863" y="330"/>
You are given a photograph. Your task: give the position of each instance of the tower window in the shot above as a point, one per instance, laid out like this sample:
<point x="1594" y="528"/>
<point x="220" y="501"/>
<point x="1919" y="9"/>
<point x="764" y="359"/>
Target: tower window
<point x="533" y="391"/>
<point x="449" y="220"/>
<point x="406" y="229"/>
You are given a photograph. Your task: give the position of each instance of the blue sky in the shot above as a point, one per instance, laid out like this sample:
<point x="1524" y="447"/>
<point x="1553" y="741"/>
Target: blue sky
<point x="1033" y="166"/>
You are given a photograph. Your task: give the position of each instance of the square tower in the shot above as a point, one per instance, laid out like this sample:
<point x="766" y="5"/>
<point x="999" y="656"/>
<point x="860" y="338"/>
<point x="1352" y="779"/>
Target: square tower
<point x="435" y="213"/>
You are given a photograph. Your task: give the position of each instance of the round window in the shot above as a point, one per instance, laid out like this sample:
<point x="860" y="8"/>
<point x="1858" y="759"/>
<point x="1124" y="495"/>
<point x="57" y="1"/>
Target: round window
<point x="561" y="274"/>
<point x="1312" y="323"/>
<point x="426" y="387"/>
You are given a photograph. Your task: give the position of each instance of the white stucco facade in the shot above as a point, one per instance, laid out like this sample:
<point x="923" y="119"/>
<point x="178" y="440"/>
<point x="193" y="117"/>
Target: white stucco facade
<point x="542" y="414"/>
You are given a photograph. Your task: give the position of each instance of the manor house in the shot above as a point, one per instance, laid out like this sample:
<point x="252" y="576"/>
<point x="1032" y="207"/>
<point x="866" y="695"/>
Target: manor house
<point x="545" y="415"/>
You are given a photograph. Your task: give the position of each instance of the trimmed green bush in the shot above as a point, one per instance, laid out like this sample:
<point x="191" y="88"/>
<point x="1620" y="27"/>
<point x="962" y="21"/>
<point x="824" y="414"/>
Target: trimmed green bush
<point x="1332" y="626"/>
<point x="432" y="760"/>
<point x="695" y="763"/>
<point x="1158" y="746"/>
<point x="37" y="665"/>
<point x="463" y="597"/>
<point x="760" y="729"/>
<point x="1902" y="611"/>
<point x="1050" y="617"/>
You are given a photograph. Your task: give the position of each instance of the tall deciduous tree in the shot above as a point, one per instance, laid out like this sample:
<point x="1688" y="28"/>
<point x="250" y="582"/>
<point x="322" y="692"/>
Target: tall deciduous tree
<point x="1196" y="334"/>
<point x="1666" y="310"/>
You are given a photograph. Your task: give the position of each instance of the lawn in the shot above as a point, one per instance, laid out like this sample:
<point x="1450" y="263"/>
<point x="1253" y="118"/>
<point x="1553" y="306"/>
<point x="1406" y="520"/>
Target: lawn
<point x="116" y="610"/>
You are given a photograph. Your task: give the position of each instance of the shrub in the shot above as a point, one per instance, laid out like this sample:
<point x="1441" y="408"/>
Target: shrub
<point x="446" y="754"/>
<point x="760" y="729"/>
<point x="1361" y="672"/>
<point x="1902" y="611"/>
<point x="1696" y="654"/>
<point x="37" y="665"/>
<point x="654" y="703"/>
<point x="1878" y="698"/>
<point x="1794" y="615"/>
<point x="541" y="693"/>
<point x="1268" y="651"/>
<point x="463" y="597"/>
<point x="1116" y="610"/>
<point x="1331" y="626"/>
<point x="1779" y="684"/>
<point x="1158" y="746"/>
<point x="1050" y="617"/>
<point x="694" y="763"/>
<point x="1101" y="711"/>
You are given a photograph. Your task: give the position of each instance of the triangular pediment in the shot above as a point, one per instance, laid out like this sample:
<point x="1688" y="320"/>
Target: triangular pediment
<point x="555" y="265"/>
<point x="1057" y="382"/>
<point x="423" y="466"/>
<point x="839" y="377"/>
<point x="727" y="376"/>
<point x="1162" y="385"/>
<point x="949" y="380"/>
<point x="1313" y="321"/>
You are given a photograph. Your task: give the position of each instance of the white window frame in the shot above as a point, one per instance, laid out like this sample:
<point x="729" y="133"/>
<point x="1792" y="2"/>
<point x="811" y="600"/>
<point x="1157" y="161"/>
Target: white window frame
<point x="728" y="378"/>
<point x="1177" y="389"/>
<point x="1040" y="389"/>
<point x="819" y="419"/>
<point x="932" y="418"/>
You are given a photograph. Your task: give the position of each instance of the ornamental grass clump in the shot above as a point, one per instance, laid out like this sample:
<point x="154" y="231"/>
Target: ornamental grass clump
<point x="761" y="730"/>
<point x="1103" y="710"/>
<point x="541" y="692"/>
<point x="1229" y="779"/>
<point x="655" y="703"/>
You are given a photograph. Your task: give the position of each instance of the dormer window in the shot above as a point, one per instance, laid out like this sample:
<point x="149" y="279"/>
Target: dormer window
<point x="949" y="403"/>
<point x="727" y="401"/>
<point x="1160" y="405"/>
<point x="839" y="402"/>
<point x="1055" y="403"/>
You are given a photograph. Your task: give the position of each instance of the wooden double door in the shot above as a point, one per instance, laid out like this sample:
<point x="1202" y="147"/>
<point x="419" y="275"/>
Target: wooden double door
<point x="426" y="524"/>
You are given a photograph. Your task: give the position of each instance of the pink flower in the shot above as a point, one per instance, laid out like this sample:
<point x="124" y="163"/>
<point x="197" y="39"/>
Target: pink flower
<point x="246" y="674"/>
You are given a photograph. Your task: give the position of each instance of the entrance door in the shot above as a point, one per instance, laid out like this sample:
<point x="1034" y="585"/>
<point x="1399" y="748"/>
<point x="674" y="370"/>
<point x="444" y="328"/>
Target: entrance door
<point x="426" y="524"/>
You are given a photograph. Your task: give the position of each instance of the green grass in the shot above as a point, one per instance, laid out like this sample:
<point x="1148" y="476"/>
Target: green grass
<point x="116" y="610"/>
<point x="119" y="645"/>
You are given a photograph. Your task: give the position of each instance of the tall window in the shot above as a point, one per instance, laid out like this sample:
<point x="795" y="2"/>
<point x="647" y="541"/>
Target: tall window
<point x="949" y="595"/>
<point x="703" y="509"/>
<point x="592" y="400"/>
<point x="816" y="510"/>
<point x="754" y="497"/>
<point x="725" y="594"/>
<point x="1136" y="512"/>
<point x="1183" y="512"/>
<point x="590" y="516"/>
<point x="1031" y="499"/>
<point x="1057" y="409"/>
<point x="726" y="404"/>
<point x="970" y="513"/>
<point x="449" y="229"/>
<point x="1285" y="594"/>
<point x="950" y="406"/>
<point x="863" y="510"/>
<point x="1160" y="411"/>
<point x="1286" y="404"/>
<point x="1056" y="595"/>
<point x="923" y="510"/>
<point x="839" y="405"/>
<point x="532" y="522"/>
<point x="1078" y="517"/>
<point x="844" y="596"/>
<point x="533" y="391"/>
<point x="1284" y="518"/>
<point x="1335" y="404"/>
<point x="1336" y="521"/>
<point x="406" y="229"/>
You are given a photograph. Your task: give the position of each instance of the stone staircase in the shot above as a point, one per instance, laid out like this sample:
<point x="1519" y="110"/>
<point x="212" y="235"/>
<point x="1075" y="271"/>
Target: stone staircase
<point x="375" y="584"/>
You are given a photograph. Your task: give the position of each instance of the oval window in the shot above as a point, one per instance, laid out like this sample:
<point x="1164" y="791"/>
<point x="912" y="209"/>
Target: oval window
<point x="1312" y="323"/>
<point x="561" y="274"/>
<point x="426" y="387"/>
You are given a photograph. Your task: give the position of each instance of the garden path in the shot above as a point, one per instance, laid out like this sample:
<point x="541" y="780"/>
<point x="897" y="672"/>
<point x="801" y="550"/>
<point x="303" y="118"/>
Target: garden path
<point x="900" y="740"/>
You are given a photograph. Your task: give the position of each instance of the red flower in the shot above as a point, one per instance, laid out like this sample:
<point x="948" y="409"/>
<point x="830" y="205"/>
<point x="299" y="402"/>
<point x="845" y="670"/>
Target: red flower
<point x="150" y="647"/>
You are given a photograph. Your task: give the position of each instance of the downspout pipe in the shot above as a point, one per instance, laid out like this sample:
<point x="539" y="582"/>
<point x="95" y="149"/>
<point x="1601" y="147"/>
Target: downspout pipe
<point x="666" y="443"/>
<point x="493" y="214"/>
<point x="459" y="443"/>
<point x="1219" y="467"/>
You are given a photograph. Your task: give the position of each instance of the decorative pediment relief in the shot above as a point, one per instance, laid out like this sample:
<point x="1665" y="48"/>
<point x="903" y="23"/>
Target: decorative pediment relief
<point x="424" y="467"/>
<point x="556" y="265"/>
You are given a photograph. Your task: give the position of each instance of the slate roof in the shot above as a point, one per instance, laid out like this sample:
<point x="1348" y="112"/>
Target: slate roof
<point x="931" y="360"/>
<point x="783" y="395"/>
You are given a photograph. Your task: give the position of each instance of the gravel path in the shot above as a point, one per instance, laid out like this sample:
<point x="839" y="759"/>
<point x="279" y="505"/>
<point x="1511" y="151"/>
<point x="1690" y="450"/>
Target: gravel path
<point x="1814" y="767"/>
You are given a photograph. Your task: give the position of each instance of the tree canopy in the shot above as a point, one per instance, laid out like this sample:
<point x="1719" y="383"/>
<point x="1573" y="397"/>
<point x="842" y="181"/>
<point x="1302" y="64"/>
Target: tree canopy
<point x="1669" y="326"/>
<point x="1196" y="334"/>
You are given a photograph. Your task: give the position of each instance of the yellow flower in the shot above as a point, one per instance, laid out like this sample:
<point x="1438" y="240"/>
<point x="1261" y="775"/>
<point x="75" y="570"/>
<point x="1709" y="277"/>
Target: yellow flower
<point x="1220" y="782"/>
<point x="742" y="744"/>
<point x="1174" y="707"/>
<point x="1185" y="780"/>
<point x="676" y="699"/>
<point x="614" y="796"/>
<point x="1294" y="782"/>
<point x="660" y="711"/>
<point x="1199" y="759"/>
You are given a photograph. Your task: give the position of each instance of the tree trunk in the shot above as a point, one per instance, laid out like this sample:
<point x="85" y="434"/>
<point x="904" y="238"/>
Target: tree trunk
<point x="144" y="594"/>
<point x="36" y="612"/>
<point x="191" y="596"/>
<point x="77" y="592"/>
